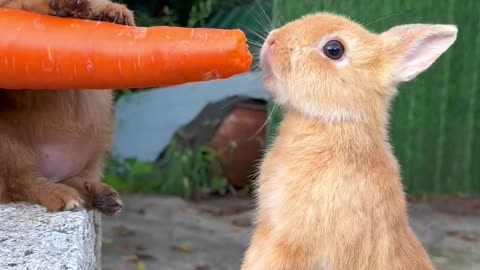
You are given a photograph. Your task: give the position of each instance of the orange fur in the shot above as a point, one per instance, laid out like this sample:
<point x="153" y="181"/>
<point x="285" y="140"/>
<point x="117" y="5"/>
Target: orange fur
<point x="329" y="190"/>
<point x="76" y="124"/>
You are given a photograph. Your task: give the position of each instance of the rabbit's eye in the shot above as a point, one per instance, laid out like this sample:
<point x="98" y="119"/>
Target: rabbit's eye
<point x="333" y="49"/>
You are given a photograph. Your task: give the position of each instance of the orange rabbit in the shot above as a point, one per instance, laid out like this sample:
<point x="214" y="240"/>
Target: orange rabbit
<point x="329" y="191"/>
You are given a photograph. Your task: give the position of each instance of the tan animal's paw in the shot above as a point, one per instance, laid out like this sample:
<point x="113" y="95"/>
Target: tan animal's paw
<point x="107" y="200"/>
<point x="70" y="8"/>
<point x="112" y="12"/>
<point x="58" y="197"/>
<point x="99" y="10"/>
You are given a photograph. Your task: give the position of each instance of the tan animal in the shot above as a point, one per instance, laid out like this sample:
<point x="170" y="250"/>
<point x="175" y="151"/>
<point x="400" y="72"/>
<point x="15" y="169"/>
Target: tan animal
<point x="53" y="144"/>
<point x="329" y="192"/>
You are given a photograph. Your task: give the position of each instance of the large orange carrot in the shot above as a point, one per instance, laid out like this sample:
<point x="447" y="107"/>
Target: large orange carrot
<point x="46" y="52"/>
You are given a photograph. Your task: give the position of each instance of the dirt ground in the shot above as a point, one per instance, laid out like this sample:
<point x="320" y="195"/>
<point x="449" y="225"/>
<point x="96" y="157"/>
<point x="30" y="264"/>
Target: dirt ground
<point x="159" y="233"/>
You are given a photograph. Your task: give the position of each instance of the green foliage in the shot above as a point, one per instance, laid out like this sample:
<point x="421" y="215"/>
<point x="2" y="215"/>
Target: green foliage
<point x="183" y="173"/>
<point x="200" y="13"/>
<point x="193" y="171"/>
<point x="186" y="13"/>
<point x="196" y="16"/>
<point x="433" y="128"/>
<point x="130" y="175"/>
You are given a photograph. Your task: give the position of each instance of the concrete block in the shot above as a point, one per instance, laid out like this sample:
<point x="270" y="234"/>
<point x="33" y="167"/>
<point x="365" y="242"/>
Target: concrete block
<point x="33" y="239"/>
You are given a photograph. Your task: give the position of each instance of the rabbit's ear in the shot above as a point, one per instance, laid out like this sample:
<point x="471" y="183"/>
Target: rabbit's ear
<point x="415" y="47"/>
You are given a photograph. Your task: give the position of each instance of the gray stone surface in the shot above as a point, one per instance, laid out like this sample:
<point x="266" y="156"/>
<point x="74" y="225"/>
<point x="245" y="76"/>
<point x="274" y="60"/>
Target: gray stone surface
<point x="33" y="239"/>
<point x="217" y="233"/>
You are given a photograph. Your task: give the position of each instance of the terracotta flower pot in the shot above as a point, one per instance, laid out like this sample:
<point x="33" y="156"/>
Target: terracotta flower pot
<point x="241" y="139"/>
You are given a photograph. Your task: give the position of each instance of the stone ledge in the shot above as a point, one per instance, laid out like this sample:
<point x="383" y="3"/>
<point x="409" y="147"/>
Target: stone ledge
<point x="33" y="239"/>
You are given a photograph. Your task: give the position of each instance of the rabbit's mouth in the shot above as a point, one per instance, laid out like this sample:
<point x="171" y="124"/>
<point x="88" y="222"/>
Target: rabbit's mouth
<point x="271" y="83"/>
<point x="269" y="79"/>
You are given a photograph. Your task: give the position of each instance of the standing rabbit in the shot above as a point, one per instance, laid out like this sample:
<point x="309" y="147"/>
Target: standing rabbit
<point x="329" y="191"/>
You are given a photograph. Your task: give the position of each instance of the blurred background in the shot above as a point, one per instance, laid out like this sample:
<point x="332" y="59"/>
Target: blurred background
<point x="184" y="157"/>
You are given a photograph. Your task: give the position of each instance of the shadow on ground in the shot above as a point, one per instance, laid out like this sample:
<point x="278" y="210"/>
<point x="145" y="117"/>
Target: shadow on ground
<point x="158" y="233"/>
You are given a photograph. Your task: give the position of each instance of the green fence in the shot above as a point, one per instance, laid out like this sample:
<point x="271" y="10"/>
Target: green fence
<point x="435" y="121"/>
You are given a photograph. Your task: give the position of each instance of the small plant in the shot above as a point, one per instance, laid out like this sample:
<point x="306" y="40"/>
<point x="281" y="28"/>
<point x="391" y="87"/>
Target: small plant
<point x="187" y="170"/>
<point x="186" y="173"/>
<point x="130" y="175"/>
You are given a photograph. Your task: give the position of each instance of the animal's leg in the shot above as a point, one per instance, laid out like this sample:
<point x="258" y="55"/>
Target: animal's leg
<point x="257" y="244"/>
<point x="100" y="10"/>
<point x="22" y="181"/>
<point x="96" y="194"/>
